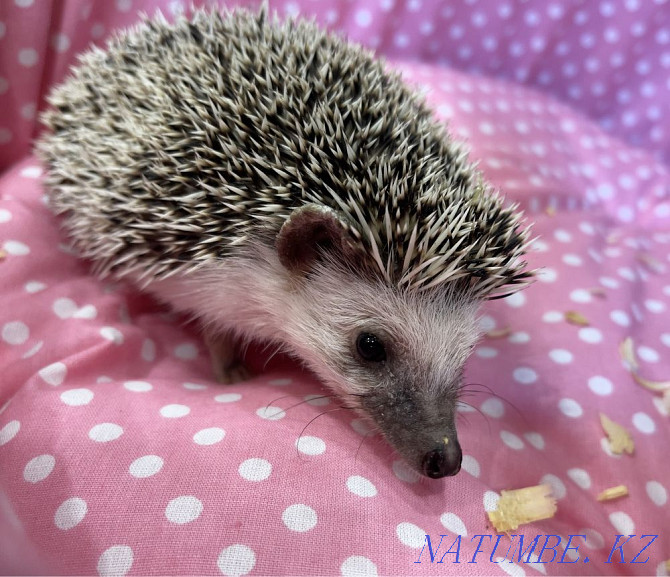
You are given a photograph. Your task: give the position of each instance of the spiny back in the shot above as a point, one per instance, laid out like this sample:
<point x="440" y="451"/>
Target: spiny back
<point x="181" y="142"/>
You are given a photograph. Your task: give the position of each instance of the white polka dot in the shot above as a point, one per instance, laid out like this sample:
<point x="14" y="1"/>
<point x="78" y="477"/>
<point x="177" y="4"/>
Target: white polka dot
<point x="28" y="111"/>
<point x="411" y="535"/>
<point x="605" y="446"/>
<point x="228" y="397"/>
<point x="31" y="172"/>
<point x="317" y="400"/>
<point x="622" y="523"/>
<point x="594" y="540"/>
<point x="519" y="337"/>
<point x="361" y="486"/>
<point x="39" y="468"/>
<point x="572" y="259"/>
<point x="77" y="397"/>
<point x="570" y="408"/>
<point x="195" y="387"/>
<point x="590" y="335"/>
<point x="609" y="282"/>
<point x="363" y="18"/>
<point x="525" y="375"/>
<point x="105" y="432"/>
<point x="236" y="560"/>
<point x="453" y="524"/>
<point x="34" y="287"/>
<point x="580" y="477"/>
<point x="553" y="317"/>
<point x="621" y="318"/>
<point x="271" y="413"/>
<point x="146" y="466"/>
<point x="587" y="228"/>
<point x="665" y="339"/>
<point x="535" y="439"/>
<point x="174" y="411"/>
<point x="299" y="518"/>
<point x="486" y="352"/>
<point x="183" y="509"/>
<point x="601" y="385"/>
<point x="124" y="5"/>
<point x="3" y="29"/>
<point x="112" y="334"/>
<point x="562" y="235"/>
<point x="186" y="351"/>
<point x="70" y="513"/>
<point x="53" y="374"/>
<point x="627" y="273"/>
<point x="648" y="354"/>
<point x="280" y="382"/>
<point x="15" y="333"/>
<point x="558" y="489"/>
<point x="511" y="440"/>
<point x="5" y="215"/>
<point x="255" y="469"/>
<point x="580" y="296"/>
<point x="644" y="423"/>
<point x="357" y="566"/>
<point x="491" y="499"/>
<point x="97" y="30"/>
<point x="515" y="300"/>
<point x="471" y="465"/>
<point x="209" y="436"/>
<point x="9" y="431"/>
<point x="310" y="445"/>
<point x="561" y="356"/>
<point x="493" y="407"/>
<point x="24" y="3"/>
<point x="138" y="386"/>
<point x="654" y="306"/>
<point x="487" y="323"/>
<point x="510" y="568"/>
<point x="657" y="493"/>
<point x="115" y="561"/>
<point x="547" y="275"/>
<point x="149" y="350"/>
<point x="60" y="43"/>
<point x="28" y="57"/>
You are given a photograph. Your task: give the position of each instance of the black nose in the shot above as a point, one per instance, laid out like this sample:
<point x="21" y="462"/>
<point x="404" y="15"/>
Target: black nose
<point x="443" y="461"/>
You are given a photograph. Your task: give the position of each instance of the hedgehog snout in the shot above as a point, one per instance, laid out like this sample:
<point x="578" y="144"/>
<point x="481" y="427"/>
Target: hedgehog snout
<point x="444" y="460"/>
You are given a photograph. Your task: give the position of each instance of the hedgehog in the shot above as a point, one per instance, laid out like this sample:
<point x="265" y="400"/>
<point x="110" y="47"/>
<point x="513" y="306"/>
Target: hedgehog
<point x="283" y="185"/>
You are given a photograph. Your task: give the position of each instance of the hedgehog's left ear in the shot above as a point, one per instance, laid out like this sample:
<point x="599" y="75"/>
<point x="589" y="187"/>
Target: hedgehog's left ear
<point x="310" y="231"/>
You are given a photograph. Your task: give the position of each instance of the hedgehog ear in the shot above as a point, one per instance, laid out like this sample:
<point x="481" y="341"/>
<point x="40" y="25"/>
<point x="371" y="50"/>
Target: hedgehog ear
<point x="310" y="231"/>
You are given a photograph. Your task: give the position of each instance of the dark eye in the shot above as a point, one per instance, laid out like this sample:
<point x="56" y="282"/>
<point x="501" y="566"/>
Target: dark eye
<point x="370" y="348"/>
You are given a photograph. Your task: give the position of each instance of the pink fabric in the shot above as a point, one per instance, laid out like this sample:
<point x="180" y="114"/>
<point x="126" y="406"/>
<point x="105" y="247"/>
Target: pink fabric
<point x="609" y="59"/>
<point x="120" y="455"/>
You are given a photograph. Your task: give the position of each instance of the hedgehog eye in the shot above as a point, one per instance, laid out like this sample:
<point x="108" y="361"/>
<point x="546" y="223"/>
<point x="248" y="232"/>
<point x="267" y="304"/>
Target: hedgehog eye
<point x="370" y="348"/>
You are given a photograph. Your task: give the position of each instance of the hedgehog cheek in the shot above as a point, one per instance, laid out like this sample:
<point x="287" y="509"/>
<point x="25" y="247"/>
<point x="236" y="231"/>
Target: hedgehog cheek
<point x="310" y="231"/>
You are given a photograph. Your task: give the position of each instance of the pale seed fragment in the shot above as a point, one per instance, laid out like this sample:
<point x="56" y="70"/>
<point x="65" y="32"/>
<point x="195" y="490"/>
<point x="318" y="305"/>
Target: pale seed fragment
<point x="613" y="493"/>
<point x="619" y="438"/>
<point x="522" y="506"/>
<point x="575" y="318"/>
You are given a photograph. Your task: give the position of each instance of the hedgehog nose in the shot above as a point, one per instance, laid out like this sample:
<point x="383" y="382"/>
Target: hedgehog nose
<point x="443" y="461"/>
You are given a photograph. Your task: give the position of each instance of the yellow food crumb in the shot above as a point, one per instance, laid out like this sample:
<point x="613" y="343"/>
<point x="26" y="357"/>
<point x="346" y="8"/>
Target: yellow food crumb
<point x="3" y="254"/>
<point x="619" y="438"/>
<point x="550" y="211"/>
<point x="613" y="493"/>
<point x="598" y="292"/>
<point x="575" y="318"/>
<point x="499" y="333"/>
<point x="522" y="506"/>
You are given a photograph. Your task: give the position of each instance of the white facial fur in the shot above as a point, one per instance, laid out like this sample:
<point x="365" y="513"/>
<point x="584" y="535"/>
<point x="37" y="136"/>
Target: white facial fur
<point x="411" y="397"/>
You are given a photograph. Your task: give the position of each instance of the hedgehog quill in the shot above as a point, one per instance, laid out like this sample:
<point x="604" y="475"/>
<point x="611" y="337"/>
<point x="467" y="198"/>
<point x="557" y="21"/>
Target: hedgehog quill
<point x="279" y="184"/>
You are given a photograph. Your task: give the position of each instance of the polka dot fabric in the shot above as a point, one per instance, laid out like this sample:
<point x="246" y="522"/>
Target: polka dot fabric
<point x="609" y="59"/>
<point x="120" y="455"/>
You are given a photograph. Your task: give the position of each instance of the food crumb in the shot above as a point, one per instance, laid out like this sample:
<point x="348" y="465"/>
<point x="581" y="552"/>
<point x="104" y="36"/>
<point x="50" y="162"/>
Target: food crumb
<point x="613" y="493"/>
<point x="619" y="438"/>
<point x="575" y="318"/>
<point x="499" y="333"/>
<point x="521" y="506"/>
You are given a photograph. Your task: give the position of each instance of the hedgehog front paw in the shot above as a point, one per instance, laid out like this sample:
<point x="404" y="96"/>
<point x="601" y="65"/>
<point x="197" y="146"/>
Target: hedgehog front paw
<point x="226" y="366"/>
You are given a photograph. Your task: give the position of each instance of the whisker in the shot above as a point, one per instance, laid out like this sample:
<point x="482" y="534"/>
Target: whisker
<point x="493" y="394"/>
